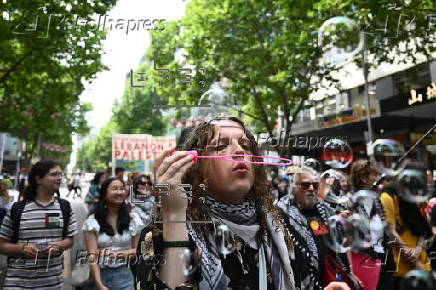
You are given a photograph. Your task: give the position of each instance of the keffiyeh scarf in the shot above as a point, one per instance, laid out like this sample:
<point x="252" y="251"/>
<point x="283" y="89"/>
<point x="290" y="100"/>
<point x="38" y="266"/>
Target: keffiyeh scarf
<point x="302" y="236"/>
<point x="242" y="221"/>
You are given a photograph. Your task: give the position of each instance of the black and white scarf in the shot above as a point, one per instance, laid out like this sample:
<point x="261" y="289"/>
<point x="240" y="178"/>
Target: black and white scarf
<point x="242" y="220"/>
<point x="302" y="236"/>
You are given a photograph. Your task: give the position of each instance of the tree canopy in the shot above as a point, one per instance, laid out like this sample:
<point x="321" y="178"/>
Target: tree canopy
<point x="269" y="50"/>
<point x="46" y="58"/>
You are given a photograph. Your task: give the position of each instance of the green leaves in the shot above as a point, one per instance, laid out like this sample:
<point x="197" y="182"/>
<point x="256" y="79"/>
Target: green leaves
<point x="45" y="57"/>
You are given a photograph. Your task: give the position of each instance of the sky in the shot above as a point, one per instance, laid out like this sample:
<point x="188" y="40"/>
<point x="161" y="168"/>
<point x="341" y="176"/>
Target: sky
<point x="122" y="52"/>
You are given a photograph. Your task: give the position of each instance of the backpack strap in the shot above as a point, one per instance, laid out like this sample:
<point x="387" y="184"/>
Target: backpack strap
<point x="16" y="212"/>
<point x="66" y="213"/>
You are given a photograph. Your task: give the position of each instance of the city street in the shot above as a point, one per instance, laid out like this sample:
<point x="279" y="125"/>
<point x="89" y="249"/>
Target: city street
<point x="304" y="131"/>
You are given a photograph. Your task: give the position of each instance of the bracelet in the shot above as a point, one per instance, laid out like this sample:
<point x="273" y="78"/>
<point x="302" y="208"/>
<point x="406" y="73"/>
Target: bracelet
<point x="176" y="244"/>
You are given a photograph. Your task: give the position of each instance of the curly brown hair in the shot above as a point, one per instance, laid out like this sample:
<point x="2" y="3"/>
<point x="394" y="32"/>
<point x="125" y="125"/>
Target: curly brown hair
<point x="361" y="169"/>
<point x="199" y="140"/>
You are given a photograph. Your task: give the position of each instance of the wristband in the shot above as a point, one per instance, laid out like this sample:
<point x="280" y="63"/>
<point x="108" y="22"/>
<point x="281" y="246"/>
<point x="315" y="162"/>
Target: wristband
<point x="176" y="244"/>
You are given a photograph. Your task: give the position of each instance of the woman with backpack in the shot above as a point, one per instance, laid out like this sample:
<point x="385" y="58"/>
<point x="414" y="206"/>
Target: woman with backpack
<point x="36" y="231"/>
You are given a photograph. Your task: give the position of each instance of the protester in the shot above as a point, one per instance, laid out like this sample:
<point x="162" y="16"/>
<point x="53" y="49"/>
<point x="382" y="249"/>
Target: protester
<point x="307" y="221"/>
<point x="36" y="231"/>
<point x="369" y="213"/>
<point x="279" y="188"/>
<point x="111" y="237"/>
<point x="119" y="173"/>
<point x="93" y="194"/>
<point x="236" y="198"/>
<point x="23" y="182"/>
<point x="75" y="185"/>
<point x="143" y="199"/>
<point x="5" y="203"/>
<point x="408" y="228"/>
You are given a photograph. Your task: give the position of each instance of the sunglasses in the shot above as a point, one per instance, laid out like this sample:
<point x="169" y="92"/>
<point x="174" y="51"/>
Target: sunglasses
<point x="306" y="185"/>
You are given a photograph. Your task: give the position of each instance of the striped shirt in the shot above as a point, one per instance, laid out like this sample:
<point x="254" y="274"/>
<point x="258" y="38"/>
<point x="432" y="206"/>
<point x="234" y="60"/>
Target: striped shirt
<point x="38" y="224"/>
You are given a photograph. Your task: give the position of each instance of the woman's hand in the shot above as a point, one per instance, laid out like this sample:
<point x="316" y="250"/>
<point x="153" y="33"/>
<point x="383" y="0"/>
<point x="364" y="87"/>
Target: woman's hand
<point x="170" y="170"/>
<point x="337" y="286"/>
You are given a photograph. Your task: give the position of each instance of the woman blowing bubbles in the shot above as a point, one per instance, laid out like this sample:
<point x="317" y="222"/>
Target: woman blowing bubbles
<point x="236" y="196"/>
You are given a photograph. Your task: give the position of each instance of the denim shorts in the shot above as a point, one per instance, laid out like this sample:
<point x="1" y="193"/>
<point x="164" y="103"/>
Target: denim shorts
<point x="120" y="278"/>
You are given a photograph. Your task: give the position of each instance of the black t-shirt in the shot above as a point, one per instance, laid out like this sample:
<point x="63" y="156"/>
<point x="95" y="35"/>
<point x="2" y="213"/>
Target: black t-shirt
<point x="235" y="270"/>
<point x="318" y="229"/>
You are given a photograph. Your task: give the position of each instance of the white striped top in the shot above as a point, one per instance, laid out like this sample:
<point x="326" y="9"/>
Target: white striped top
<point x="38" y="224"/>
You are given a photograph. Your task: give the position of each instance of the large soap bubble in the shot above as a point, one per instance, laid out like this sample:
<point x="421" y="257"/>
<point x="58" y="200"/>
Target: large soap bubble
<point x="361" y="232"/>
<point x="340" y="39"/>
<point x="412" y="185"/>
<point x="340" y="234"/>
<point x="224" y="240"/>
<point x="190" y="261"/>
<point x="313" y="163"/>
<point x="365" y="223"/>
<point x="337" y="153"/>
<point x="387" y="152"/>
<point x="418" y="280"/>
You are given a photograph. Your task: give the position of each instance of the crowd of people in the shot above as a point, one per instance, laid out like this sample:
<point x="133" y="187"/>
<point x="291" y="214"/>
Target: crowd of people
<point x="367" y="225"/>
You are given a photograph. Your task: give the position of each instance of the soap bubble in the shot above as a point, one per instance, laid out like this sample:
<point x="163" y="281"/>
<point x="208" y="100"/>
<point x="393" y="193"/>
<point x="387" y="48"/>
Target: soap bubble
<point x="340" y="234"/>
<point x="224" y="240"/>
<point x="337" y="153"/>
<point x="361" y="195"/>
<point x="340" y="39"/>
<point x="191" y="261"/>
<point x="412" y="185"/>
<point x="361" y="232"/>
<point x="418" y="280"/>
<point x="330" y="187"/>
<point x="313" y="163"/>
<point x="387" y="152"/>
<point x="364" y="222"/>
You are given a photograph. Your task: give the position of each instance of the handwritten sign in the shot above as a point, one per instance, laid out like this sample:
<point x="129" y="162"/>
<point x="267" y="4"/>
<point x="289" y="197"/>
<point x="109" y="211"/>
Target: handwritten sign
<point x="139" y="146"/>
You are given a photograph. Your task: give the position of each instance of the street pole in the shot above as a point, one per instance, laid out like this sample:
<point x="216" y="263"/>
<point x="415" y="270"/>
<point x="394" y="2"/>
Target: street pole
<point x="368" y="104"/>
<point x="2" y="151"/>
<point x="17" y="169"/>
<point x="39" y="146"/>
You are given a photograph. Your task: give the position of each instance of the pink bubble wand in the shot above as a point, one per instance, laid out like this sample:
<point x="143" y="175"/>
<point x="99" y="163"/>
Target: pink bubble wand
<point x="228" y="157"/>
